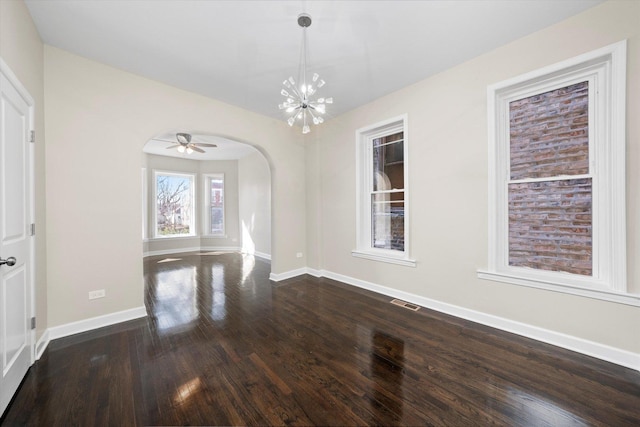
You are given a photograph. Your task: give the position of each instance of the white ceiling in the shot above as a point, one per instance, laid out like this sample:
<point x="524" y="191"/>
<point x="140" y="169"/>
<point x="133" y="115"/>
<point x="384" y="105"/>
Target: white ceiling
<point x="241" y="51"/>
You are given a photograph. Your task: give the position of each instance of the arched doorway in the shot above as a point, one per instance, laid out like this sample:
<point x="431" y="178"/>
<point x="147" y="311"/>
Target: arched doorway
<point x="208" y="193"/>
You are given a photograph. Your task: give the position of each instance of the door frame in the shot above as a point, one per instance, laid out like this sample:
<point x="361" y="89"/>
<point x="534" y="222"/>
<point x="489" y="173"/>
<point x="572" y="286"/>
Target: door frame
<point x="26" y="96"/>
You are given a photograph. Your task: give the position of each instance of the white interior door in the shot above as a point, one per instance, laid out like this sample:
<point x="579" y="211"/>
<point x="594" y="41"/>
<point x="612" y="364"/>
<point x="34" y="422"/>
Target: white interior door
<point x="15" y="236"/>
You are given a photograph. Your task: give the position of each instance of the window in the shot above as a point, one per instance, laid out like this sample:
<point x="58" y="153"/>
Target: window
<point x="557" y="184"/>
<point x="145" y="201"/>
<point x="214" y="204"/>
<point x="382" y="206"/>
<point x="174" y="204"/>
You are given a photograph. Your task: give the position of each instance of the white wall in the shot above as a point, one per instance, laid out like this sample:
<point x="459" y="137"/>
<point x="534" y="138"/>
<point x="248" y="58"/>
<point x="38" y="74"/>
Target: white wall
<point x="255" y="204"/>
<point x="229" y="168"/>
<point x="98" y="120"/>
<point x="22" y="50"/>
<point x="447" y="128"/>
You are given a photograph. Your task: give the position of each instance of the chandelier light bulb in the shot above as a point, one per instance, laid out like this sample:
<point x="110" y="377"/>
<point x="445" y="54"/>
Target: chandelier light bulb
<point x="300" y="104"/>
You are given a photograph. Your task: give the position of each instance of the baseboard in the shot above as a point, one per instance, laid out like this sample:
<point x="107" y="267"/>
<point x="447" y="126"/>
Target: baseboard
<point x="42" y="343"/>
<point x="276" y="277"/>
<point x="220" y="248"/>
<point x="96" y="322"/>
<point x="192" y="249"/>
<point x="313" y="272"/>
<point x="170" y="251"/>
<point x="262" y="255"/>
<point x="600" y="351"/>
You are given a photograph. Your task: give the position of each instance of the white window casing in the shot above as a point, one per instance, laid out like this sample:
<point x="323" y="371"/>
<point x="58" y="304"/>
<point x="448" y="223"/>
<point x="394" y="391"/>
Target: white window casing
<point x="605" y="71"/>
<point x="365" y="190"/>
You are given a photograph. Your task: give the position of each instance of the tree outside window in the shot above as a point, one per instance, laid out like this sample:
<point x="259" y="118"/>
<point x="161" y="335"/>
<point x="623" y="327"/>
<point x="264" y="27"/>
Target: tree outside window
<point x="174" y="205"/>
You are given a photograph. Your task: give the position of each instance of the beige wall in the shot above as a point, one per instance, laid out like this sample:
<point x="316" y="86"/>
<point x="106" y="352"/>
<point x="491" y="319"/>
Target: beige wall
<point x="22" y="50"/>
<point x="98" y="119"/>
<point x="255" y="204"/>
<point x="447" y="126"/>
<point x="199" y="168"/>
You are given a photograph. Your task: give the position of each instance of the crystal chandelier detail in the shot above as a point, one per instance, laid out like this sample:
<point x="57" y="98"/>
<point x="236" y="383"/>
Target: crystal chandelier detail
<point x="300" y="103"/>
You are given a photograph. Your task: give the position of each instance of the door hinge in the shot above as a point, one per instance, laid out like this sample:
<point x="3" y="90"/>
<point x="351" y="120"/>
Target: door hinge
<point x="33" y="323"/>
<point x="32" y="136"/>
<point x="33" y="229"/>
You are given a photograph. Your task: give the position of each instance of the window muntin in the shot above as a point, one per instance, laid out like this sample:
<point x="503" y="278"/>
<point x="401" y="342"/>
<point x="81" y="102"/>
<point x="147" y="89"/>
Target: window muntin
<point x="175" y="205"/>
<point x="382" y="219"/>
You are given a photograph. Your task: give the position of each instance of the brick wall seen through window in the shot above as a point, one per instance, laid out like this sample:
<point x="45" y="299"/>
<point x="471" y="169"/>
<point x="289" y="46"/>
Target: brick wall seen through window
<point x="550" y="189"/>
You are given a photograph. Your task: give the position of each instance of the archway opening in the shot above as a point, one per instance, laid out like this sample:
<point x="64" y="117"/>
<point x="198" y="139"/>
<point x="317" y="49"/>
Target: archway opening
<point x="203" y="192"/>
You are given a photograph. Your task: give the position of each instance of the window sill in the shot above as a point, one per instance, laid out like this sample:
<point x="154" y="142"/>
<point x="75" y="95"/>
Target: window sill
<point x="600" y="294"/>
<point x="214" y="236"/>
<point x="384" y="258"/>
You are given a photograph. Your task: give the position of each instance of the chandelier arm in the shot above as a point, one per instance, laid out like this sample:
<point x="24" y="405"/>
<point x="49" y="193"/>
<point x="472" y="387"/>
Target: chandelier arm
<point x="296" y="93"/>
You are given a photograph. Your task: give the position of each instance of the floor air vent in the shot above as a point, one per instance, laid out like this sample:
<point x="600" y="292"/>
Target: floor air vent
<point x="405" y="304"/>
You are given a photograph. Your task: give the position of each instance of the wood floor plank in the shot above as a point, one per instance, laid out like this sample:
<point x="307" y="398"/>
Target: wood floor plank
<point x="223" y="345"/>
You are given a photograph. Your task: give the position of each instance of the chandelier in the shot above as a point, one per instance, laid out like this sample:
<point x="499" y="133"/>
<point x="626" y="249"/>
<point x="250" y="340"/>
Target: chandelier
<point x="300" y="103"/>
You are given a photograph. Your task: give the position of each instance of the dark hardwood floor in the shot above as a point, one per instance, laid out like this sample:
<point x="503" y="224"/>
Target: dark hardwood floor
<point x="223" y="345"/>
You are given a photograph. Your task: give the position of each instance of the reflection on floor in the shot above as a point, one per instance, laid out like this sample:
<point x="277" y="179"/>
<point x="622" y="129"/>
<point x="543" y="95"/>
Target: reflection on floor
<point x="223" y="345"/>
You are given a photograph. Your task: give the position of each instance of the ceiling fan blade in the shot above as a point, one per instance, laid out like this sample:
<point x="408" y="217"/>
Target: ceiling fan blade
<point x="203" y="144"/>
<point x="172" y="146"/>
<point x="194" y="148"/>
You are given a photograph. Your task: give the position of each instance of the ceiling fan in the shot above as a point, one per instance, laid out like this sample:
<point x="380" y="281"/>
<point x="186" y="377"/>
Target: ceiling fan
<point x="185" y="144"/>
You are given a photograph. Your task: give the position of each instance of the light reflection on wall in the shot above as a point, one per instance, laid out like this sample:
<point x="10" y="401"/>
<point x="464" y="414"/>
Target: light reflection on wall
<point x="176" y="305"/>
<point x="248" y="246"/>
<point x="218" y="309"/>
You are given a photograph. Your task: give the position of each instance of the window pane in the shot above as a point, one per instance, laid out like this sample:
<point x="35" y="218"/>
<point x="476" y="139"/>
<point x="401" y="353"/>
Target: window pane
<point x="387" y="221"/>
<point x="549" y="133"/>
<point x="217" y="206"/>
<point x="174" y="205"/>
<point x="550" y="225"/>
<point x="388" y="162"/>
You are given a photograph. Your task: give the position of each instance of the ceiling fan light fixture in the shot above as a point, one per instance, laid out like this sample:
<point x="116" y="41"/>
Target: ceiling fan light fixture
<point x="189" y="150"/>
<point x="181" y="149"/>
<point x="299" y="104"/>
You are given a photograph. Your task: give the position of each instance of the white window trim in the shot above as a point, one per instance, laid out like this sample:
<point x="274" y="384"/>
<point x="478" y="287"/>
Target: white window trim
<point x="605" y="68"/>
<point x="206" y="208"/>
<point x="145" y="203"/>
<point x="156" y="236"/>
<point x="363" y="202"/>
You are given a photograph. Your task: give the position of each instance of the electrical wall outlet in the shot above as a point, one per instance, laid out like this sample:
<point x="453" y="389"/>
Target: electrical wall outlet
<point x="299" y="255"/>
<point x="100" y="293"/>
